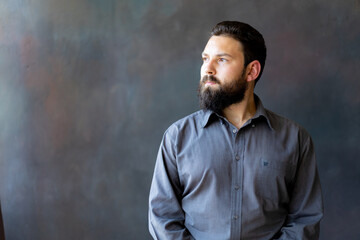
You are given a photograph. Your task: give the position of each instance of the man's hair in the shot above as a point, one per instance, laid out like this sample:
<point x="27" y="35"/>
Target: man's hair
<point x="252" y="41"/>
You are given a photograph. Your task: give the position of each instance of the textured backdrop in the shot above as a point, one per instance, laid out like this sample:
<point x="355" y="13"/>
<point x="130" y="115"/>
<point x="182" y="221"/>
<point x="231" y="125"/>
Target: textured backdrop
<point x="87" y="88"/>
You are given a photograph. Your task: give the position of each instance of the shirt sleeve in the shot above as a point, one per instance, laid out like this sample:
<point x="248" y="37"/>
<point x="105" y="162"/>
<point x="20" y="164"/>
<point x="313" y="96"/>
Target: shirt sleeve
<point x="306" y="204"/>
<point x="166" y="217"/>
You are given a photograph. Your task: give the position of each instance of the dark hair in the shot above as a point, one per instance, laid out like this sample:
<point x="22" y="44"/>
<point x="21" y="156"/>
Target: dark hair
<point x="252" y="41"/>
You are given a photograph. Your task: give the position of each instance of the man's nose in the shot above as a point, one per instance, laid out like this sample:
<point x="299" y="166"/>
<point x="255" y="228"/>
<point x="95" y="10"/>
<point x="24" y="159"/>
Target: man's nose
<point x="209" y="68"/>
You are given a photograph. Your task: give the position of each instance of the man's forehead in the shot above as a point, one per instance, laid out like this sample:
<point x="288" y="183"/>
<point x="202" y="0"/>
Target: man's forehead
<point x="223" y="45"/>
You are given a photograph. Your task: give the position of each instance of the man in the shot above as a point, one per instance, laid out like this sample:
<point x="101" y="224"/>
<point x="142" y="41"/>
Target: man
<point x="234" y="170"/>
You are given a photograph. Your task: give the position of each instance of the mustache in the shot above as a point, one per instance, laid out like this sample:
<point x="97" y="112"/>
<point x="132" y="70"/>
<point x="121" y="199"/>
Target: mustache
<point x="210" y="78"/>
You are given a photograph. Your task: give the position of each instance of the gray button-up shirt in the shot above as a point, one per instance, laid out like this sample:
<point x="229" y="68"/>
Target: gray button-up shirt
<point x="213" y="181"/>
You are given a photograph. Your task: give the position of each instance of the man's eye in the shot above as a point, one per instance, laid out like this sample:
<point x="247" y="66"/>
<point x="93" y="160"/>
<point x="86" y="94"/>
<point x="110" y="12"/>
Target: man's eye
<point x="204" y="58"/>
<point x="222" y="60"/>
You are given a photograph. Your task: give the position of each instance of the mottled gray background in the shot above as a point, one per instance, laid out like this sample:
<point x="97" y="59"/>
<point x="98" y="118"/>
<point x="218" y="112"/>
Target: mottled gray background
<point x="87" y="88"/>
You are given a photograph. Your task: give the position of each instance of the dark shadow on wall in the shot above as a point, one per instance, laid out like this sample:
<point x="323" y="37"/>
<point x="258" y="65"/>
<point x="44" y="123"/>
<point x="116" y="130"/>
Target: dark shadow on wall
<point x="2" y="232"/>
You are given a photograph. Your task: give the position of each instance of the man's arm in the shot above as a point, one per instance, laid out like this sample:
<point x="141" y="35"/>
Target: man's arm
<point x="306" y="205"/>
<point x="166" y="217"/>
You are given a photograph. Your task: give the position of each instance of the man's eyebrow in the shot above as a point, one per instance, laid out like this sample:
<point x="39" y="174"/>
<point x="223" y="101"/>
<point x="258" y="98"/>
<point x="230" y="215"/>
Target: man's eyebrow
<point x="218" y="55"/>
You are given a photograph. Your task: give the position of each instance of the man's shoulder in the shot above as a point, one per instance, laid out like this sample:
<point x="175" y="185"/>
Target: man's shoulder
<point x="192" y="121"/>
<point x="197" y="116"/>
<point x="281" y="123"/>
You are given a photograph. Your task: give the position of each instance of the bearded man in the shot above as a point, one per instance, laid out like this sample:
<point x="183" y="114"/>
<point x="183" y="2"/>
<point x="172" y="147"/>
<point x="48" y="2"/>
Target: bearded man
<point x="234" y="170"/>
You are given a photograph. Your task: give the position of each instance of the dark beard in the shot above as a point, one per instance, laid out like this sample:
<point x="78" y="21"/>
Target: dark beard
<point x="218" y="99"/>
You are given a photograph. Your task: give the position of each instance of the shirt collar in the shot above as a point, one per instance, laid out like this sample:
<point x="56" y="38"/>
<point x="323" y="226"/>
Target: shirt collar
<point x="207" y="116"/>
<point x="261" y="112"/>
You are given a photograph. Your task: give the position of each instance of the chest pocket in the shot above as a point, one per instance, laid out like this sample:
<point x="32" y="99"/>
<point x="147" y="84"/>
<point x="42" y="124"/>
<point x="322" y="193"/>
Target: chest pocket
<point x="269" y="178"/>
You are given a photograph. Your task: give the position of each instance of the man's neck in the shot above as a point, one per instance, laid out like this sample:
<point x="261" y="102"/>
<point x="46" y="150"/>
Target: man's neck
<point x="239" y="113"/>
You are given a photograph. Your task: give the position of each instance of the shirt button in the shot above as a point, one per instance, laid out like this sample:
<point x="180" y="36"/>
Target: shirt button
<point x="237" y="157"/>
<point x="235" y="130"/>
<point x="235" y="217"/>
<point x="237" y="187"/>
<point x="253" y="125"/>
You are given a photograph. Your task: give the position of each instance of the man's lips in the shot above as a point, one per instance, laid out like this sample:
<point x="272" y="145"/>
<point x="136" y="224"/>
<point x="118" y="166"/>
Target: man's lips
<point x="209" y="80"/>
<point x="210" y="83"/>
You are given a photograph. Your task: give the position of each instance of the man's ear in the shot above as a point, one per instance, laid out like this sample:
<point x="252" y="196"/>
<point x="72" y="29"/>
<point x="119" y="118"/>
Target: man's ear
<point x="253" y="70"/>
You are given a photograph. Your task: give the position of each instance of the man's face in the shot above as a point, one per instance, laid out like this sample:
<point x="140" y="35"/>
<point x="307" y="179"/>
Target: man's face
<point x="223" y="80"/>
